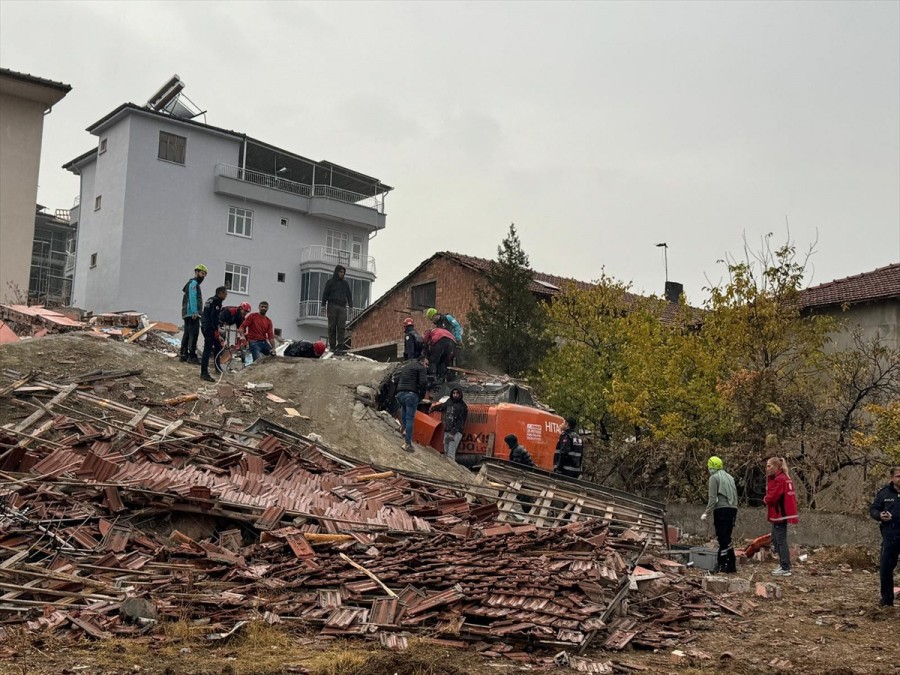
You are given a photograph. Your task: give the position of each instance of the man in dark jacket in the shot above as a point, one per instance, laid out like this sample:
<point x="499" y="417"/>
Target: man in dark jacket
<point x="209" y="323"/>
<point x="191" y="304"/>
<point x="336" y="298"/>
<point x="569" y="454"/>
<point x="517" y="452"/>
<point x="305" y="350"/>
<point x="412" y="380"/>
<point x="412" y="341"/>
<point x="234" y="316"/>
<point x="886" y="510"/>
<point x="456" y="412"/>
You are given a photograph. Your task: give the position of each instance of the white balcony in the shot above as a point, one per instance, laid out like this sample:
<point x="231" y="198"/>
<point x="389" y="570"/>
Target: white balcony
<point x="330" y="258"/>
<point x="312" y="311"/>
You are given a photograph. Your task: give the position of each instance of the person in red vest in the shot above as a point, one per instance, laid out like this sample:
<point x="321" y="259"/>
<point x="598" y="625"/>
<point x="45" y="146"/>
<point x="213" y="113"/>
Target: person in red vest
<point x="781" y="501"/>
<point x="440" y="348"/>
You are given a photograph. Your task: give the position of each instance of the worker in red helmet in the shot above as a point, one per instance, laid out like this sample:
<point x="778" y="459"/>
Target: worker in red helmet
<point x="412" y="341"/>
<point x="305" y="350"/>
<point x="234" y="316"/>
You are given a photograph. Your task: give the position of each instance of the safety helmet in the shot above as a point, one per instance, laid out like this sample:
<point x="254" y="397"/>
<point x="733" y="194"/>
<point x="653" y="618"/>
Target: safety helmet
<point x="201" y="268"/>
<point x="318" y="348"/>
<point x="714" y="463"/>
<point x="430" y="313"/>
<point x="245" y="306"/>
<point x="408" y="322"/>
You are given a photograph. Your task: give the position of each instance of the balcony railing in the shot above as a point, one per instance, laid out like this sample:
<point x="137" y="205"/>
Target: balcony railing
<point x="273" y="181"/>
<point x="311" y="309"/>
<point x="333" y="257"/>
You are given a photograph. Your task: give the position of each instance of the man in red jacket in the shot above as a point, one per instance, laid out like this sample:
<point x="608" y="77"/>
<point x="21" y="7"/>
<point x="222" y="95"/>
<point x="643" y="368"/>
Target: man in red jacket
<point x="781" y="501"/>
<point x="259" y="331"/>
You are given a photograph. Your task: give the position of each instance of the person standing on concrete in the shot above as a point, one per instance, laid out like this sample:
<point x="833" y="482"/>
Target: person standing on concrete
<point x="336" y="298"/>
<point x="412" y="381"/>
<point x="456" y="412"/>
<point x="259" y="331"/>
<point x="569" y="456"/>
<point x="209" y="322"/>
<point x="781" y="501"/>
<point x="517" y="452"/>
<point x="191" y="305"/>
<point x="412" y="341"/>
<point x="886" y="510"/>
<point x="722" y="503"/>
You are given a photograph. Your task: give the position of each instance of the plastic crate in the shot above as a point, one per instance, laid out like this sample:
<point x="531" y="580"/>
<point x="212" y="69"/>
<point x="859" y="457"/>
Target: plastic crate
<point x="704" y="558"/>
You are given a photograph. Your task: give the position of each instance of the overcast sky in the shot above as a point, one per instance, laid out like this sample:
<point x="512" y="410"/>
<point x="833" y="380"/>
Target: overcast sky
<point x="599" y="128"/>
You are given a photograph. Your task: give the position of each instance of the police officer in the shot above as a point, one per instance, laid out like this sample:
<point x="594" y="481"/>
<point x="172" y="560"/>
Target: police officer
<point x="569" y="454"/>
<point x="209" y="324"/>
<point x="886" y="510"/>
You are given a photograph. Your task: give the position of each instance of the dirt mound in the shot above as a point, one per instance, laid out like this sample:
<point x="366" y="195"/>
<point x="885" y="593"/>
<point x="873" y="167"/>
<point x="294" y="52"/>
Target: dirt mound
<point x="323" y="392"/>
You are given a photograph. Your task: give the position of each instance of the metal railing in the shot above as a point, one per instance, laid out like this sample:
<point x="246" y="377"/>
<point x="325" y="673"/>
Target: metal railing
<point x="333" y="257"/>
<point x="263" y="179"/>
<point x="310" y="309"/>
<point x="276" y="183"/>
<point x="62" y="214"/>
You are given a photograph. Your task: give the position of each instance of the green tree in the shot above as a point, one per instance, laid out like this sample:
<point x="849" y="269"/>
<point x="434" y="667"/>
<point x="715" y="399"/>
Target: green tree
<point x="507" y="327"/>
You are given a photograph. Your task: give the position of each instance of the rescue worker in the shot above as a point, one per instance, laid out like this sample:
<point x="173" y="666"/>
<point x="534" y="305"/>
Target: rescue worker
<point x="446" y="321"/>
<point x="722" y="502"/>
<point x="886" y="510"/>
<point x="412" y="380"/>
<point x="569" y="455"/>
<point x="191" y="305"/>
<point x="455" y="414"/>
<point x="517" y="452"/>
<point x="412" y="341"/>
<point x="336" y="298"/>
<point x="209" y="323"/>
<point x="440" y="347"/>
<point x="234" y="316"/>
<point x="781" y="501"/>
<point x="305" y="350"/>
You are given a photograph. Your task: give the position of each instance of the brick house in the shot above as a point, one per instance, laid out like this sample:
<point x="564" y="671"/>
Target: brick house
<point x="447" y="281"/>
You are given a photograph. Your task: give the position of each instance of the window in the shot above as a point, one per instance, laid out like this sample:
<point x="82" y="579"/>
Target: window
<point x="360" y="290"/>
<point x="102" y="146"/>
<point x="97" y="201"/>
<point x="284" y="222"/>
<point x="356" y="247"/>
<point x="240" y="221"/>
<point x="278" y="332"/>
<point x="237" y="278"/>
<point x="281" y="277"/>
<point x="172" y="147"/>
<point x="337" y="241"/>
<point x="423" y="295"/>
<point x="311" y="285"/>
<point x="93" y="259"/>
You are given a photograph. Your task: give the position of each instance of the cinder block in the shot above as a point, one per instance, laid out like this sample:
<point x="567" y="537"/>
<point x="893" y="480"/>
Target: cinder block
<point x="768" y="591"/>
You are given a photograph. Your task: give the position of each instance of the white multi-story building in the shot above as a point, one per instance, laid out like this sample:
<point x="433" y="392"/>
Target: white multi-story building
<point x="160" y="194"/>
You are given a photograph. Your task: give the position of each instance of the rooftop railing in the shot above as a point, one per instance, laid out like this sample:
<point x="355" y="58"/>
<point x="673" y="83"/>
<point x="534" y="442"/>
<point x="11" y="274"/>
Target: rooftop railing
<point x="312" y="309"/>
<point x="333" y="257"/>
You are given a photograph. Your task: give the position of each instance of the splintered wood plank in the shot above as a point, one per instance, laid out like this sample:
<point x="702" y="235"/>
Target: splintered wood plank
<point x="507" y="500"/>
<point x="544" y="501"/>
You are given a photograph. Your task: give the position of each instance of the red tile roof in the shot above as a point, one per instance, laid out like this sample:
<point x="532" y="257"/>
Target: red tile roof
<point x="880" y="284"/>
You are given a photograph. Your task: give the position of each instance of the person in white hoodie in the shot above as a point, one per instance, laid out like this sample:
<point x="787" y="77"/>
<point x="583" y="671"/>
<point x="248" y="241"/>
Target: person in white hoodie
<point x="722" y="503"/>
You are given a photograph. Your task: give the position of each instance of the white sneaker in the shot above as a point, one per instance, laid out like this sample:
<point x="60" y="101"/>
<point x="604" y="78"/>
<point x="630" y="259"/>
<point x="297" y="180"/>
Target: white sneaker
<point x="781" y="573"/>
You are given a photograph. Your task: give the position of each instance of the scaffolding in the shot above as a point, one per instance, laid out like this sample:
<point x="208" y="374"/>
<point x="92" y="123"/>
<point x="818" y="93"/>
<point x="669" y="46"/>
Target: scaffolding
<point x="52" y="259"/>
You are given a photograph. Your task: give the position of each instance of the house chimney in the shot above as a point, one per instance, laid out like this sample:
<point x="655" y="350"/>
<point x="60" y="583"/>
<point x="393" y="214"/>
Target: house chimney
<point x="674" y="291"/>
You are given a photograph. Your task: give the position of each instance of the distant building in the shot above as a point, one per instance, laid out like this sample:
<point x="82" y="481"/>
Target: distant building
<point x="449" y="282"/>
<point x="24" y="101"/>
<point x="52" y="258"/>
<point x="161" y="193"/>
<point x="868" y="302"/>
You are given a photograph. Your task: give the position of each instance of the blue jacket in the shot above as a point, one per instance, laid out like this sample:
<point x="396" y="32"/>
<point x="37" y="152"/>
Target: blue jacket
<point x="192" y="298"/>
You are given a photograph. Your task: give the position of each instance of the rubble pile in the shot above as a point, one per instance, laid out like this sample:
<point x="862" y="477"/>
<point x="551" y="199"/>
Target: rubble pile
<point x="89" y="542"/>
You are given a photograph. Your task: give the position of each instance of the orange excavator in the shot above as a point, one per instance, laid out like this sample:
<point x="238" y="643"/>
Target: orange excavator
<point x="495" y="410"/>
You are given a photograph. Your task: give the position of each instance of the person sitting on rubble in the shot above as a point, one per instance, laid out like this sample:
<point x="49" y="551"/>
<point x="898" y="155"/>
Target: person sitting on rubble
<point x="260" y="332"/>
<point x="440" y="347"/>
<point x="209" y="324"/>
<point x="569" y="454"/>
<point x="191" y="306"/>
<point x="412" y="341"/>
<point x="446" y="321"/>
<point x="455" y="414"/>
<point x="305" y="350"/>
<point x="412" y="381"/>
<point x="517" y="452"/>
<point x="722" y="503"/>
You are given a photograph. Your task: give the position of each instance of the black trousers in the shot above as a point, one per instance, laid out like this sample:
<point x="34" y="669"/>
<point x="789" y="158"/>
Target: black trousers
<point x="337" y="326"/>
<point x="441" y="357"/>
<point x="890" y="552"/>
<point x="211" y="346"/>
<point x="189" y="337"/>
<point x="723" y="521"/>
